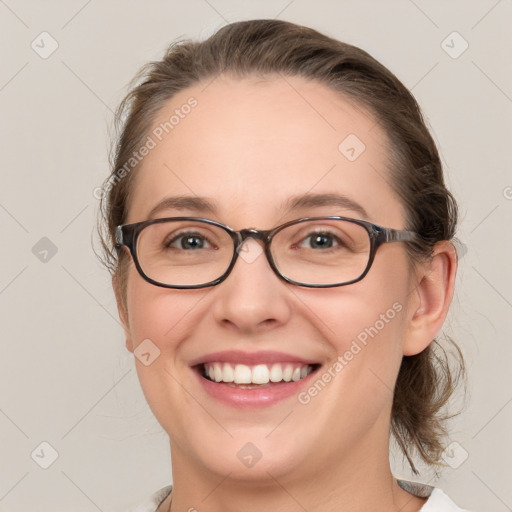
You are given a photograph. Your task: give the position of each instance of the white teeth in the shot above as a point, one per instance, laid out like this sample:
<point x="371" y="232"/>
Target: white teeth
<point x="228" y="374"/>
<point x="276" y="373"/>
<point x="260" y="374"/>
<point x="217" y="373"/>
<point x="257" y="374"/>
<point x="287" y="373"/>
<point x="242" y="374"/>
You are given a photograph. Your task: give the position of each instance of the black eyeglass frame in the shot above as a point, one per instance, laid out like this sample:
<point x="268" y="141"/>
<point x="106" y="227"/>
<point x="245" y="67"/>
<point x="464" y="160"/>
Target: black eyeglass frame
<point x="127" y="235"/>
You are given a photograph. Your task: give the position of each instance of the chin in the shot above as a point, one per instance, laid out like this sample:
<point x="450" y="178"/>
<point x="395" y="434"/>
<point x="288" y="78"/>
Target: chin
<point x="252" y="459"/>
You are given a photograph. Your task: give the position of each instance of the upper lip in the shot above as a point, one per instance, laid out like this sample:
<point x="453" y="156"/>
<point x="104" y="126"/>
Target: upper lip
<point x="250" y="358"/>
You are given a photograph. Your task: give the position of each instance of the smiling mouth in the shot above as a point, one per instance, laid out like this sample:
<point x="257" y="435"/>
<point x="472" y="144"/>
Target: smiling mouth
<point x="255" y="376"/>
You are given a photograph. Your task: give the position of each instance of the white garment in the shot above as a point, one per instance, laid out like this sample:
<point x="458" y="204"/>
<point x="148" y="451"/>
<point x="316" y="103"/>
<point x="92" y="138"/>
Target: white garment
<point x="437" y="499"/>
<point x="439" y="502"/>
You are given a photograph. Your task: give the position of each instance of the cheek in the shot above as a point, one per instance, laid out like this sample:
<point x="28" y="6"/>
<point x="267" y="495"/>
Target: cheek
<point x="373" y="307"/>
<point x="160" y="320"/>
<point x="365" y="323"/>
<point x="362" y="331"/>
<point x="363" y="327"/>
<point x="158" y="313"/>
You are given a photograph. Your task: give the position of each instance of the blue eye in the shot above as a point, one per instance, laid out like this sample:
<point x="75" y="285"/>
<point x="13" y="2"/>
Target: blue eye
<point x="320" y="241"/>
<point x="189" y="241"/>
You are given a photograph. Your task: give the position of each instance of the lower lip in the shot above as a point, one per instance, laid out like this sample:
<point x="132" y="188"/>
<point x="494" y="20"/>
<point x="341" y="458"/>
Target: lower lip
<point x="255" y="397"/>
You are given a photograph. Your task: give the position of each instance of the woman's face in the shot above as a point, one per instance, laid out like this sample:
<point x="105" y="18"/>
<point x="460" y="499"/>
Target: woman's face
<point x="249" y="150"/>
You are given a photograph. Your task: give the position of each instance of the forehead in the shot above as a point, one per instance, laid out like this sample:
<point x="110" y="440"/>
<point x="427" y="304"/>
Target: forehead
<point x="250" y="144"/>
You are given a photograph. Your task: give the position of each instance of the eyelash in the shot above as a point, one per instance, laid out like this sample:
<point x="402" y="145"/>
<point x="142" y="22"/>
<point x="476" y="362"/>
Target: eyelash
<point x="176" y="237"/>
<point x="179" y="236"/>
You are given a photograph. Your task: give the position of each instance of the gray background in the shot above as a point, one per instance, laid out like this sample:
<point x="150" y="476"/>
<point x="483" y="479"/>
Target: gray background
<point x="66" y="378"/>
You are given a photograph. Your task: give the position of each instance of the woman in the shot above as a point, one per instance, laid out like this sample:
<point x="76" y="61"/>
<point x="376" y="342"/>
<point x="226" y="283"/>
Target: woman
<point x="278" y="232"/>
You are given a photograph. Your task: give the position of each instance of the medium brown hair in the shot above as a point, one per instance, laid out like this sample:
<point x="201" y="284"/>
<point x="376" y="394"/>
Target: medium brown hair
<point x="268" y="47"/>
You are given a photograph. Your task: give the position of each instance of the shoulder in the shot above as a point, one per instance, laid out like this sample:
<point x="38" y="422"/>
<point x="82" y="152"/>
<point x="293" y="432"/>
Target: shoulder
<point x="151" y="503"/>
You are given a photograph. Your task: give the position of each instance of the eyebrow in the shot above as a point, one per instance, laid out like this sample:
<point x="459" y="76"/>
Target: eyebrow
<point x="304" y="201"/>
<point x="315" y="200"/>
<point x="195" y="204"/>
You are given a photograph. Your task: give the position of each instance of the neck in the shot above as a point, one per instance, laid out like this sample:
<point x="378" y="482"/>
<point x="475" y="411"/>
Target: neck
<point x="362" y="482"/>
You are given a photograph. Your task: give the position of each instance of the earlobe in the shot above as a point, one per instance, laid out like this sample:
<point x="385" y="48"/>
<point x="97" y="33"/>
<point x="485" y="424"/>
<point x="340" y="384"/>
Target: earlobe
<point x="434" y="292"/>
<point x="123" y="313"/>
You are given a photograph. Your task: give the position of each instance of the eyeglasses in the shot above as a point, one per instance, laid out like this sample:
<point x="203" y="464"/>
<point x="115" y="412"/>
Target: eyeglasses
<point x="315" y="252"/>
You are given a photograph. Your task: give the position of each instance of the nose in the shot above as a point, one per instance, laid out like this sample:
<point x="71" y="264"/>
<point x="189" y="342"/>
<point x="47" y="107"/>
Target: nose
<point x="252" y="299"/>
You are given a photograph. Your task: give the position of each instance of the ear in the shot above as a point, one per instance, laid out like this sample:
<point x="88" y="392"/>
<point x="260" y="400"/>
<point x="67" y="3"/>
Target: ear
<point x="431" y="300"/>
<point x="123" y="313"/>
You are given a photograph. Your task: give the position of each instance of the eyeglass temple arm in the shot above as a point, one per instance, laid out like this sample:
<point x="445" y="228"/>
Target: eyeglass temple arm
<point x="120" y="236"/>
<point x="399" y="235"/>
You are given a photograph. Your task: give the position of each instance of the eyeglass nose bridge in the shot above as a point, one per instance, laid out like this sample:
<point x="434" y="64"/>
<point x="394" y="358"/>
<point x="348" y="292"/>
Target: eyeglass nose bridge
<point x="241" y="237"/>
<point x="258" y="234"/>
<point x="264" y="236"/>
